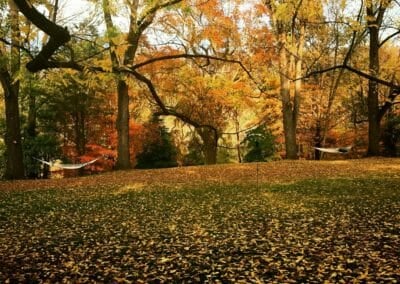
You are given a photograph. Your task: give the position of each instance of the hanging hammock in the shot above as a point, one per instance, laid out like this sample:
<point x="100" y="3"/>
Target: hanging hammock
<point x="67" y="166"/>
<point x="340" y="150"/>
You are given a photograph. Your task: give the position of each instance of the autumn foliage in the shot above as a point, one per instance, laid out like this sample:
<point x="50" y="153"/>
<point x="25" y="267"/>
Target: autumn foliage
<point x="219" y="68"/>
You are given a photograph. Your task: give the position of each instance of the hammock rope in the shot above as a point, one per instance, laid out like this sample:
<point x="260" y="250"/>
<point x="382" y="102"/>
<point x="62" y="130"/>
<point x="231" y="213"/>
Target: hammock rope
<point x="67" y="166"/>
<point x="340" y="150"/>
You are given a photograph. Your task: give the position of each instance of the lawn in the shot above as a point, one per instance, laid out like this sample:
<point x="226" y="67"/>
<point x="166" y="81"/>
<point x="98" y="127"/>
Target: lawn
<point x="281" y="222"/>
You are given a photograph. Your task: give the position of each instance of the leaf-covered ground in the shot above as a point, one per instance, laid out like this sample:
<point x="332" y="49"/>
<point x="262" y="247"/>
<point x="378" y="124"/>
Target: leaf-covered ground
<point x="312" y="222"/>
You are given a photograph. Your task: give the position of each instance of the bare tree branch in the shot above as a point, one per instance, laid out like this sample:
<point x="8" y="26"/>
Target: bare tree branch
<point x="389" y="37"/>
<point x="155" y="8"/>
<point x="396" y="88"/>
<point x="28" y="52"/>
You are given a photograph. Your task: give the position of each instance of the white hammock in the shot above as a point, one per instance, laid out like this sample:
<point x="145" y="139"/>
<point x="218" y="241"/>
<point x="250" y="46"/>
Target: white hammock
<point x="340" y="150"/>
<point x="67" y="166"/>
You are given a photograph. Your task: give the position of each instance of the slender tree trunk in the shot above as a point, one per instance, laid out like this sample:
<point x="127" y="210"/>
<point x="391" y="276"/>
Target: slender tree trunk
<point x="235" y="117"/>
<point x="81" y="137"/>
<point x="31" y="133"/>
<point x="237" y="126"/>
<point x="318" y="140"/>
<point x="31" y="127"/>
<point x="80" y="133"/>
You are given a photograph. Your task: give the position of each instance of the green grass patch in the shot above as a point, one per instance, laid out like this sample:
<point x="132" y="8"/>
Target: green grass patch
<point x="334" y="230"/>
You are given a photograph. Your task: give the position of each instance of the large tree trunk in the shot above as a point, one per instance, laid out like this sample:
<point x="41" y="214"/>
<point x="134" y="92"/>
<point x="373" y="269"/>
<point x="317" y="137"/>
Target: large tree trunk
<point x="123" y="160"/>
<point x="288" y="113"/>
<point x="122" y="124"/>
<point x="14" y="159"/>
<point x="374" y="20"/>
<point x="210" y="145"/>
<point x="289" y="123"/>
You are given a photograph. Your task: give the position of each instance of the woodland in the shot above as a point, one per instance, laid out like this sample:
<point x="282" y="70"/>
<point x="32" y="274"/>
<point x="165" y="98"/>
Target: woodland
<point x="164" y="83"/>
<point x="201" y="118"/>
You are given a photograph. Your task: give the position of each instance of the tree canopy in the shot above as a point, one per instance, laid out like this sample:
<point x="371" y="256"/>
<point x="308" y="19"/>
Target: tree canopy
<point x="213" y="70"/>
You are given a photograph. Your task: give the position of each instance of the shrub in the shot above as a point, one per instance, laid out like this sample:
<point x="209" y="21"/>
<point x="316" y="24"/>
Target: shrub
<point x="158" y="150"/>
<point x="391" y="136"/>
<point x="259" y="144"/>
<point x="42" y="146"/>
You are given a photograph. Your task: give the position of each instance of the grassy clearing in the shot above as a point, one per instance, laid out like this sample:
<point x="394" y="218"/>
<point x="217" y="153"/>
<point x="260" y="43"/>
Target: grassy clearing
<point x="315" y="230"/>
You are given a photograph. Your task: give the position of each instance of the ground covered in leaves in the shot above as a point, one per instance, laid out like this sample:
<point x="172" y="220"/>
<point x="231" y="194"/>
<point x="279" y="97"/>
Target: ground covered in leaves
<point x="281" y="222"/>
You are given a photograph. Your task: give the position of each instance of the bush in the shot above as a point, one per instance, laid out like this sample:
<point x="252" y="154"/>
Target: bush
<point x="2" y="159"/>
<point x="158" y="151"/>
<point x="43" y="146"/>
<point x="195" y="156"/>
<point x="259" y="144"/>
<point x="391" y="136"/>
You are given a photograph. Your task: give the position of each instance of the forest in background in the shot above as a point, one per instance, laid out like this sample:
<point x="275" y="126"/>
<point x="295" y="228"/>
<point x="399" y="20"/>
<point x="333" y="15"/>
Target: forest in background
<point x="158" y="83"/>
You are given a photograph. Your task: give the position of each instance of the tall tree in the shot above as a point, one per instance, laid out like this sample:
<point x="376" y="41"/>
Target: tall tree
<point x="290" y="19"/>
<point x="141" y="16"/>
<point x="375" y="11"/>
<point x="123" y="53"/>
<point x="380" y="31"/>
<point x="10" y="84"/>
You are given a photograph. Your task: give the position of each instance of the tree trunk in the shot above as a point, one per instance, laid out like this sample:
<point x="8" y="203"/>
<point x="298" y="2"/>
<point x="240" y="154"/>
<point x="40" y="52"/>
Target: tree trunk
<point x="289" y="121"/>
<point x="317" y="141"/>
<point x="235" y="117"/>
<point x="123" y="159"/>
<point x="123" y="154"/>
<point x="14" y="158"/>
<point x="80" y="135"/>
<point x="210" y="145"/>
<point x="31" y="127"/>
<point x="237" y="126"/>
<point x="373" y="92"/>
<point x="289" y="126"/>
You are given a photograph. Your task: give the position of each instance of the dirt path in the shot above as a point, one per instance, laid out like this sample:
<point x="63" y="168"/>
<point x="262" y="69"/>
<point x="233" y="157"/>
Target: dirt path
<point x="280" y="171"/>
